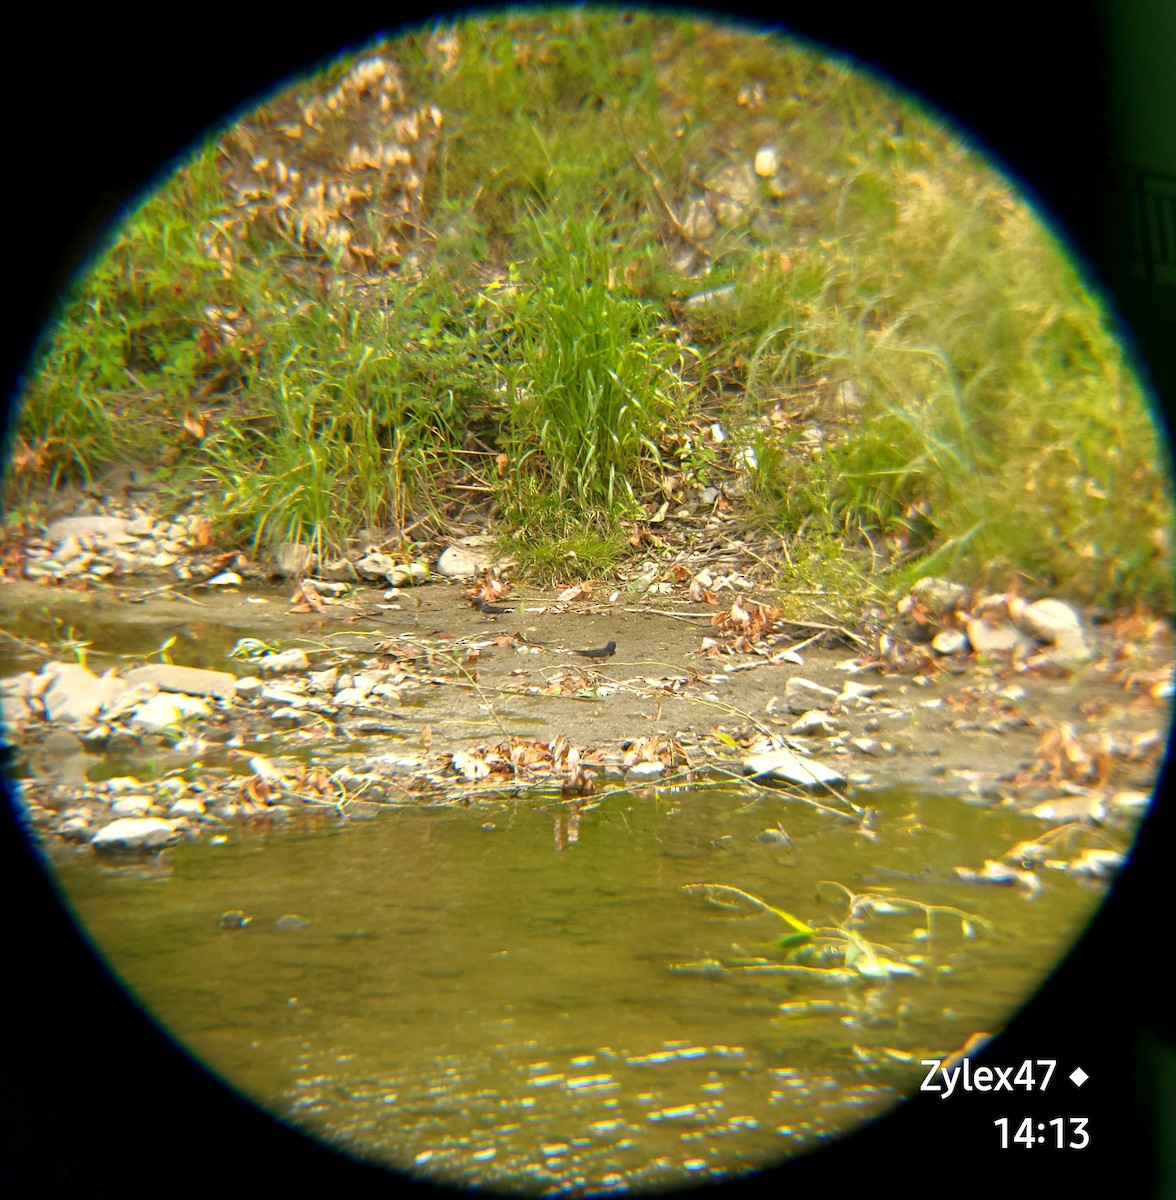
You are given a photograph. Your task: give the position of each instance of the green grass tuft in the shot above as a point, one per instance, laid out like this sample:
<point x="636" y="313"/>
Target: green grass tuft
<point x="592" y="381"/>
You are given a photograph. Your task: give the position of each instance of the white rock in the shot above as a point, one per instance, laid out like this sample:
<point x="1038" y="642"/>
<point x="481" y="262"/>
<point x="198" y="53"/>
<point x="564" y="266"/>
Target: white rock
<point x="194" y="681"/>
<point x="858" y="694"/>
<point x="411" y="574"/>
<point x="288" y="716"/>
<point x="186" y="807"/>
<point x="1070" y="808"/>
<point x="792" y="768"/>
<point x="1095" y="863"/>
<point x="283" y="695"/>
<point x="26" y="685"/>
<point x="121" y="783"/>
<point x="74" y="829"/>
<point x="77" y="694"/>
<point x="15" y="712"/>
<point x="375" y="565"/>
<point x="1055" y="623"/>
<point x="950" y="641"/>
<point x="1001" y="638"/>
<point x="168" y="710"/>
<point x="131" y="806"/>
<point x="802" y="695"/>
<point x="286" y="660"/>
<point x="340" y="570"/>
<point x="332" y="590"/>
<point x="457" y="562"/>
<point x="323" y="681"/>
<point x="1044" y="619"/>
<point x="67" y="548"/>
<point x="135" y="833"/>
<point x="128" y="701"/>
<point x="645" y="770"/>
<point x="86" y="525"/>
<point x="1070" y="649"/>
<point x="939" y="595"/>
<point x="1129" y="801"/>
<point x="814" y="722"/>
<point x="226" y="579"/>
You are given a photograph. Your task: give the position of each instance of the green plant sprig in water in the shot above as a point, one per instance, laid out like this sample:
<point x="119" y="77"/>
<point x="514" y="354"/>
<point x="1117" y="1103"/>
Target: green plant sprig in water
<point x="860" y="906"/>
<point x="718" y="893"/>
<point x="71" y="643"/>
<point x="855" y="955"/>
<point x="163" y="651"/>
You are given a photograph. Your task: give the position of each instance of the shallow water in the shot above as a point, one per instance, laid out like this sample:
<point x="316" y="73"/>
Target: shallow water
<point x="523" y="997"/>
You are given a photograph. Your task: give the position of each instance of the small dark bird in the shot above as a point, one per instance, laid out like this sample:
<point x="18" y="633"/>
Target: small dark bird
<point x="484" y="606"/>
<point x="604" y="651"/>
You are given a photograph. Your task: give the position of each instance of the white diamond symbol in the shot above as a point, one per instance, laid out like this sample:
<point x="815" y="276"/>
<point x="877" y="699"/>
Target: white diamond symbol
<point x="1078" y="1076"/>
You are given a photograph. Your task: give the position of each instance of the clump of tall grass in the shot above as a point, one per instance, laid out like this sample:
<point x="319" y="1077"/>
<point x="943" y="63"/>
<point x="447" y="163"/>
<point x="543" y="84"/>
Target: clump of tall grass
<point x="593" y="377"/>
<point x="997" y="404"/>
<point x="357" y="416"/>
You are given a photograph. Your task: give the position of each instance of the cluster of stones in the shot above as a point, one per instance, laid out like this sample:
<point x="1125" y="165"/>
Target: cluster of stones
<point x="736" y="194"/>
<point x="165" y="702"/>
<point x="955" y="621"/>
<point x="772" y="759"/>
<point x="827" y="718"/>
<point x="97" y="546"/>
<point x="775" y="761"/>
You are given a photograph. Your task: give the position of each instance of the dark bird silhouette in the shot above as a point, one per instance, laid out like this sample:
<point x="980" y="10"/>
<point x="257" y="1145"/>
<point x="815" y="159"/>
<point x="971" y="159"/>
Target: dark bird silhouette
<point x="484" y="606"/>
<point x="604" y="651"/>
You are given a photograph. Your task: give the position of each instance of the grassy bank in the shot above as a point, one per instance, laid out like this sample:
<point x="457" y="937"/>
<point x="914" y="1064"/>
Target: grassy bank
<point x="557" y="272"/>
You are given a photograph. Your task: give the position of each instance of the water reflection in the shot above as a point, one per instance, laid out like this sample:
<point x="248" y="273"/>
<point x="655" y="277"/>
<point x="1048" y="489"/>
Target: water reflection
<point x="525" y="995"/>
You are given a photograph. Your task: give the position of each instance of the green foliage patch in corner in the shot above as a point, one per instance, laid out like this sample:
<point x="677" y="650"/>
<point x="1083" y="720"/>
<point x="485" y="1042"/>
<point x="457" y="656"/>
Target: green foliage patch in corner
<point x="992" y="397"/>
<point x="133" y="339"/>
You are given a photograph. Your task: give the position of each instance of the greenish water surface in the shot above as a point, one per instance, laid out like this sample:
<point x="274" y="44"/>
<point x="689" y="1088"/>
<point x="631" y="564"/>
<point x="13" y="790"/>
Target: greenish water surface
<point x="521" y="996"/>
